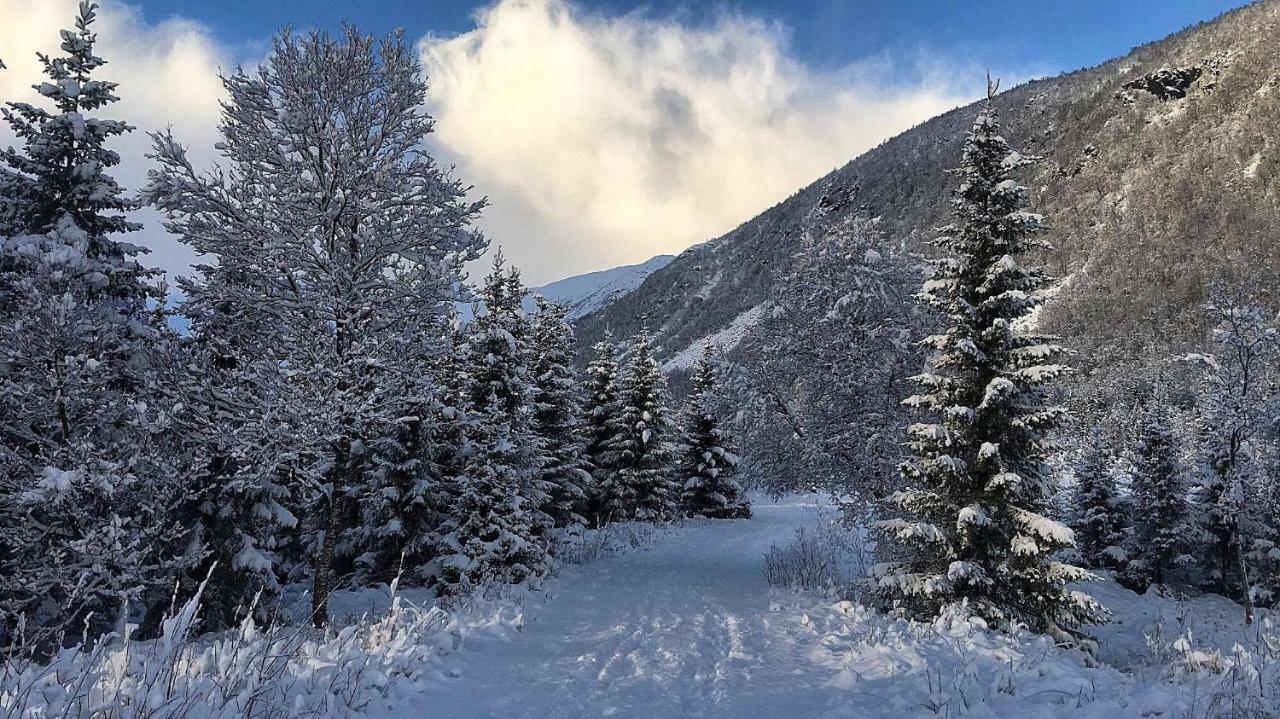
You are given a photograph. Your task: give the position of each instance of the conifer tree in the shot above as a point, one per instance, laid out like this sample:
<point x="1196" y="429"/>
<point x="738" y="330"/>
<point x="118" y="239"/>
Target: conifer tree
<point x="239" y="466"/>
<point x="403" y="508"/>
<point x="972" y="524"/>
<point x="707" y="459"/>
<point x="496" y="531"/>
<point x="1099" y="516"/>
<point x="601" y="425"/>
<point x="557" y="416"/>
<point x="1159" y="535"/>
<point x="642" y="443"/>
<point x="87" y="483"/>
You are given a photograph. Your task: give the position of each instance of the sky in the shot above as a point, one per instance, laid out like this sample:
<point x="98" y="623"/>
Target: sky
<point x="605" y="132"/>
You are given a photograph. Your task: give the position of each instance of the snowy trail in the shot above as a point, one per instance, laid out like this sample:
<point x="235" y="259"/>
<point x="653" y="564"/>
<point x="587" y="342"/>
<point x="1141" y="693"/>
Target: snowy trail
<point x="682" y="629"/>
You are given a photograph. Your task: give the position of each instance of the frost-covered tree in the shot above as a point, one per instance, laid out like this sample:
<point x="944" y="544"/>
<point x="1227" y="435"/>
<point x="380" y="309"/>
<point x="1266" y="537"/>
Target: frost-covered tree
<point x="63" y="168"/>
<point x="1264" y="548"/>
<point x="1099" y="515"/>
<point x="1159" y="534"/>
<point x="237" y="463"/>
<point x="834" y="354"/>
<point x="331" y="224"/>
<point x="496" y="531"/>
<point x="601" y="413"/>
<point x="1237" y="403"/>
<point x="557" y="418"/>
<point x="707" y="462"/>
<point x="86" y="480"/>
<point x="641" y="446"/>
<point x="972" y="517"/>
<point x="411" y="462"/>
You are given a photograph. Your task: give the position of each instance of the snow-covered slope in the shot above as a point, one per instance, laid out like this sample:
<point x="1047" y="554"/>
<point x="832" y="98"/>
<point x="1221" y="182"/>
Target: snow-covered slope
<point x="584" y="294"/>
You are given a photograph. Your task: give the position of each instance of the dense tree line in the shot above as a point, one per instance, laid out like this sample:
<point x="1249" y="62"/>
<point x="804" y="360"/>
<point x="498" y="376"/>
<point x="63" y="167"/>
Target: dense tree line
<point x="1192" y="500"/>
<point x="327" y="419"/>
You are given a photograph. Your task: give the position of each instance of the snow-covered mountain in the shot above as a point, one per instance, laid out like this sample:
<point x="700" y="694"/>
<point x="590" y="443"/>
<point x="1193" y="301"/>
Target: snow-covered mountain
<point x="584" y="294"/>
<point x="1157" y="176"/>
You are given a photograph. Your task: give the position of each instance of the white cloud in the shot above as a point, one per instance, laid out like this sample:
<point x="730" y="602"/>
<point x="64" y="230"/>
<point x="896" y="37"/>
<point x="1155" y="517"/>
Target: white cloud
<point x="167" y="74"/>
<point x="600" y="141"/>
<point x="603" y="141"/>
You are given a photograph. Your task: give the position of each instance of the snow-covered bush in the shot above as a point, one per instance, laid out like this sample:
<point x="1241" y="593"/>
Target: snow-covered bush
<point x="252" y="671"/>
<point x="823" y="556"/>
<point x="1242" y="682"/>
<point x="592" y="544"/>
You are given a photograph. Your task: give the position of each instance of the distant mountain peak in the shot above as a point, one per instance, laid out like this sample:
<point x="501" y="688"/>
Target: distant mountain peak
<point x="584" y="294"/>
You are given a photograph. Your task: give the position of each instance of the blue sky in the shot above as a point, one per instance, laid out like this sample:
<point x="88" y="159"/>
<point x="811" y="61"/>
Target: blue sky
<point x="1030" y="36"/>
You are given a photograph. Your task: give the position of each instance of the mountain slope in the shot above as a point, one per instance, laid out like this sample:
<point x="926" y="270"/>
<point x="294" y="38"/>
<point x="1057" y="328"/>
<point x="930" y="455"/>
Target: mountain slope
<point x="584" y="294"/>
<point x="1152" y="196"/>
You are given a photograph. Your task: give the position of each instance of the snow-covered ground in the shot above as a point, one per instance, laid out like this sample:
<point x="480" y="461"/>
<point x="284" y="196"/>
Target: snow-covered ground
<point x="689" y="628"/>
<point x="678" y="623"/>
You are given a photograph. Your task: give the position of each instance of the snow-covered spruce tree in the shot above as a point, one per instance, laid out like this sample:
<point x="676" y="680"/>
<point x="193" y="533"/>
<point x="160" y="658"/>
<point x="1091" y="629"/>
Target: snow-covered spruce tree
<point x="557" y="418"/>
<point x="1237" y="400"/>
<point x="241" y="470"/>
<point x="496" y="531"/>
<point x="833" y="356"/>
<point x="972" y="524"/>
<point x="1159" y="530"/>
<point x="601" y="411"/>
<point x="403" y="509"/>
<point x="1099" y="517"/>
<point x="707" y="461"/>
<point x="1264" y="549"/>
<point x="332" y="224"/>
<point x="641" y="446"/>
<point x="86" y="483"/>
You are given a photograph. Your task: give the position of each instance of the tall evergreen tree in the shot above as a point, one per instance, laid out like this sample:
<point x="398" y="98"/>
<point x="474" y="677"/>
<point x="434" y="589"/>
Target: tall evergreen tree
<point x="708" y="463"/>
<point x="601" y="425"/>
<point x="403" y="509"/>
<point x="557" y="417"/>
<point x="972" y="521"/>
<point x="238" y="463"/>
<point x="86" y="479"/>
<point x="1099" y="516"/>
<point x="642" y="446"/>
<point x="1158" y="540"/>
<point x="496" y="531"/>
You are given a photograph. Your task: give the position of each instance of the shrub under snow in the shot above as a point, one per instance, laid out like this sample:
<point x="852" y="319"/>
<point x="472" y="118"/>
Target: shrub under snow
<point x="823" y="556"/>
<point x="251" y="672"/>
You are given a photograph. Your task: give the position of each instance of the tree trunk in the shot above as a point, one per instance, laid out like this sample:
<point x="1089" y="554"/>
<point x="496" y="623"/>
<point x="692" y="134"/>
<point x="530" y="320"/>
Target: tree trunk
<point x="1246" y="595"/>
<point x="320" y="587"/>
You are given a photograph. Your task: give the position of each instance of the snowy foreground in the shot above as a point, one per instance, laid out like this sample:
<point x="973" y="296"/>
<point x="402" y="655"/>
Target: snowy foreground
<point x="682" y="626"/>
<point x="689" y="628"/>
